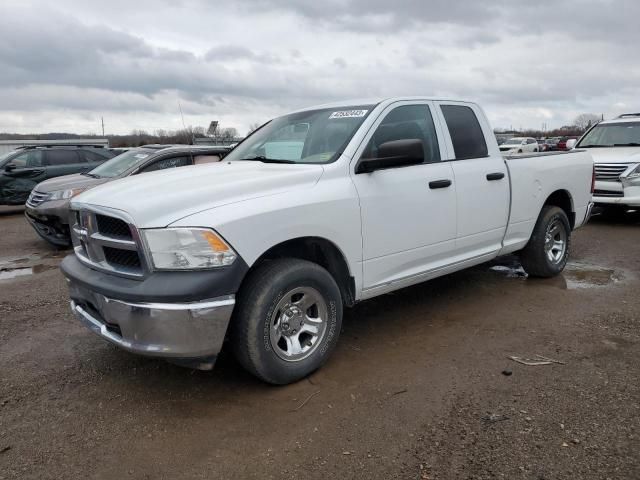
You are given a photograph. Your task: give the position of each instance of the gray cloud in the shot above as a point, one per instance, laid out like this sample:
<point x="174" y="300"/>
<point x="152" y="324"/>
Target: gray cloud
<point x="251" y="59"/>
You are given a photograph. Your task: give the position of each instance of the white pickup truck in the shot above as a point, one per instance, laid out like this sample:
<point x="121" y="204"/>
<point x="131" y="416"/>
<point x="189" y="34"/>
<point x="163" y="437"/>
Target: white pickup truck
<point x="316" y="210"/>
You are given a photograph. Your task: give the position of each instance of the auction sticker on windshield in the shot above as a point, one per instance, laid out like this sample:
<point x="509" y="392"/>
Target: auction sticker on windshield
<point x="349" y="114"/>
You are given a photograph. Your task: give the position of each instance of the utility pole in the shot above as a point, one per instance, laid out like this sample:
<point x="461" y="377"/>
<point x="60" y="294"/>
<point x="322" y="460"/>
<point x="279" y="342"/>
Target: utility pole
<point x="102" y="120"/>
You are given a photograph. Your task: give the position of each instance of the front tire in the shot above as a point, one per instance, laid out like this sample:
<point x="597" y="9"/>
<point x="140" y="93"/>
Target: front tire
<point x="547" y="252"/>
<point x="287" y="320"/>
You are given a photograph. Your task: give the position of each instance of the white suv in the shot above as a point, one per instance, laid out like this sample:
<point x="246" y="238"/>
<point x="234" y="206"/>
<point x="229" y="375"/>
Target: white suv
<point x="520" y="145"/>
<point x="615" y="148"/>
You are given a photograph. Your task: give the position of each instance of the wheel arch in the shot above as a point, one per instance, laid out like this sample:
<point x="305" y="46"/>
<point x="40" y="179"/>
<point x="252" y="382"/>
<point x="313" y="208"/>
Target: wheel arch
<point x="563" y="199"/>
<point x="320" y="251"/>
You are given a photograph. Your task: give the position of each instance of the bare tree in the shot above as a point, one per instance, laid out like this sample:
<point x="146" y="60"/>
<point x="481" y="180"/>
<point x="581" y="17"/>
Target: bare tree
<point x="253" y="127"/>
<point x="228" y="134"/>
<point x="585" y="120"/>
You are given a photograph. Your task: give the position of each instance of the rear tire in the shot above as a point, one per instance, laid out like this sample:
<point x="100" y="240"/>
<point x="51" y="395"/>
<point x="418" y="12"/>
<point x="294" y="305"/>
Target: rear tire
<point x="547" y="252"/>
<point x="287" y="320"/>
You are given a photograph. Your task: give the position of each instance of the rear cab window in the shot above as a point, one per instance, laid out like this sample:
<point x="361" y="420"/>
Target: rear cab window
<point x="465" y="131"/>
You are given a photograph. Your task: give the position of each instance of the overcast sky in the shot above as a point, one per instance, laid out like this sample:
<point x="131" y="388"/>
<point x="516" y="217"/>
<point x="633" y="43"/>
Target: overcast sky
<point x="64" y="64"/>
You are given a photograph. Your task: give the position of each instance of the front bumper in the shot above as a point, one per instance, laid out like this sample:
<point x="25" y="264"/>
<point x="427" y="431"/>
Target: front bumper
<point x="176" y="331"/>
<point x="617" y="193"/>
<point x="50" y="220"/>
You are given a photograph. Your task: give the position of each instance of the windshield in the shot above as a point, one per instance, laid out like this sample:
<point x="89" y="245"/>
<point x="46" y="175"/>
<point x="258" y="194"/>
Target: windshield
<point x="122" y="163"/>
<point x="513" y="141"/>
<point x="313" y="136"/>
<point x="623" y="134"/>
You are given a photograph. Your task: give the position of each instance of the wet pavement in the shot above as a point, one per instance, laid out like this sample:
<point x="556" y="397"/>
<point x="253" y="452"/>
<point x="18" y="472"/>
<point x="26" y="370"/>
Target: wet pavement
<point x="416" y="389"/>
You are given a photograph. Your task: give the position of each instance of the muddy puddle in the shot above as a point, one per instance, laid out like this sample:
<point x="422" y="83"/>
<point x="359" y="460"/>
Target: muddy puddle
<point x="14" y="267"/>
<point x="576" y="275"/>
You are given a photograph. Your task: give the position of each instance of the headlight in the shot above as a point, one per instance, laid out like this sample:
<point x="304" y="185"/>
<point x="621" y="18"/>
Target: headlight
<point x="64" y="194"/>
<point x="632" y="179"/>
<point x="634" y="173"/>
<point x="187" y="249"/>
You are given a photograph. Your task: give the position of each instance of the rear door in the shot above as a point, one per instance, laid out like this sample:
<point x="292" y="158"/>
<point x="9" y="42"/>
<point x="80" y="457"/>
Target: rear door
<point x="62" y="161"/>
<point x="482" y="180"/>
<point x="408" y="213"/>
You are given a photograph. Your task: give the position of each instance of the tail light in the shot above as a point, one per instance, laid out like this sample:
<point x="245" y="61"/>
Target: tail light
<point x="593" y="180"/>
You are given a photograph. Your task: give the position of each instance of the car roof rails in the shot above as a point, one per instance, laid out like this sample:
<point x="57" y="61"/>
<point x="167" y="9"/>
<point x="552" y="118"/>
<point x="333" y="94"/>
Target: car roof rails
<point x="48" y="145"/>
<point x="628" y="115"/>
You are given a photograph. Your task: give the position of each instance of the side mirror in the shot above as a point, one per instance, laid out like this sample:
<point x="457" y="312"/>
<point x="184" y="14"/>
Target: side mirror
<point x="9" y="168"/>
<point x="396" y="153"/>
<point x="571" y="143"/>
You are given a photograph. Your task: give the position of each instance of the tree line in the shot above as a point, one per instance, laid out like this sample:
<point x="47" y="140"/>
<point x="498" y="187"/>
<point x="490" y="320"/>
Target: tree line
<point x="579" y="126"/>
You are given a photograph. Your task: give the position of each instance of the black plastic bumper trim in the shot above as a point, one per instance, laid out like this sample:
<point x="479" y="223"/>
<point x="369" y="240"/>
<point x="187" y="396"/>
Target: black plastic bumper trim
<point x="165" y="287"/>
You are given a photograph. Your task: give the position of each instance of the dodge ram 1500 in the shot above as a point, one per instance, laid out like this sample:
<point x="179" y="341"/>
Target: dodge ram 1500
<point x="316" y="210"/>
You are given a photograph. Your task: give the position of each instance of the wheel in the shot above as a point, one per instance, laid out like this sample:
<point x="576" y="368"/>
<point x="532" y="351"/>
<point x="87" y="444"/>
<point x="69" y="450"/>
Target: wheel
<point x="535" y="150"/>
<point x="547" y="252"/>
<point x="287" y="320"/>
<point x="519" y="151"/>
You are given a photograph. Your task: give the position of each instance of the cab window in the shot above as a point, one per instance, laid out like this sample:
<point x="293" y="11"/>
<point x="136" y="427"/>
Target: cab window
<point x="407" y="122"/>
<point x="465" y="131"/>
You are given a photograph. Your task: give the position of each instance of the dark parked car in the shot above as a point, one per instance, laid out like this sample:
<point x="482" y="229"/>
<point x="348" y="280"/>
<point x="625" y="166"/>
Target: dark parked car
<point x="23" y="169"/>
<point x="48" y="205"/>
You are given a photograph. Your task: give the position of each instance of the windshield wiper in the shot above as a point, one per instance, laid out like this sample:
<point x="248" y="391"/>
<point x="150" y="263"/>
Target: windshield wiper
<point x="595" y="146"/>
<point x="262" y="158"/>
<point x="89" y="174"/>
<point x="631" y="144"/>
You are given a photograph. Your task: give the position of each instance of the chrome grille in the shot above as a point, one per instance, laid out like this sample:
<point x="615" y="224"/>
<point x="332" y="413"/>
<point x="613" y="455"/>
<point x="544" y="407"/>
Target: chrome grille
<point x="607" y="193"/>
<point x="37" y="198"/>
<point x="610" y="171"/>
<point x="106" y="242"/>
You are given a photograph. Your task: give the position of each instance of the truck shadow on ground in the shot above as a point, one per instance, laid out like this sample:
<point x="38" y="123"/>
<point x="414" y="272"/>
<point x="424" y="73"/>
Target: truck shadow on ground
<point x="379" y="333"/>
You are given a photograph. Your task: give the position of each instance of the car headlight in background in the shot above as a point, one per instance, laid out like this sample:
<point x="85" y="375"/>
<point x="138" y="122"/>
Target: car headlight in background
<point x="631" y="179"/>
<point x="64" y="194"/>
<point x="187" y="249"/>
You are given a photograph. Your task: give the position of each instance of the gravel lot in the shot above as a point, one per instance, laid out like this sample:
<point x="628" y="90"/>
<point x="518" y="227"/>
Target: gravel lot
<point x="415" y="389"/>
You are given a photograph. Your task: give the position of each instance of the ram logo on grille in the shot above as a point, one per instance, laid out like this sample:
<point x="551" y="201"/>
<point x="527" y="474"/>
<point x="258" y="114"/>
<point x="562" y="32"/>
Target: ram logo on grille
<point x="106" y="243"/>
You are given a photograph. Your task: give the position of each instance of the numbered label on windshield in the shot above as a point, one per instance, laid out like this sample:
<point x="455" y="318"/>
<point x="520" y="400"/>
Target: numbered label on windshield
<point x="348" y="114"/>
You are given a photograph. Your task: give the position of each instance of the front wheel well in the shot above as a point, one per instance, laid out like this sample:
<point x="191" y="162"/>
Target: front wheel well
<point x="320" y="251"/>
<point x="563" y="200"/>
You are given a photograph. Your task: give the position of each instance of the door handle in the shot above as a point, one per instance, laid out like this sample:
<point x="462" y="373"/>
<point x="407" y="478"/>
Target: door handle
<point x="439" y="184"/>
<point x="495" y="176"/>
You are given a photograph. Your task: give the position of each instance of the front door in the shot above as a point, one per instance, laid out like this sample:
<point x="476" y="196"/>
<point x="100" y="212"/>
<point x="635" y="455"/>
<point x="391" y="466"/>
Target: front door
<point x="408" y="213"/>
<point x="21" y="174"/>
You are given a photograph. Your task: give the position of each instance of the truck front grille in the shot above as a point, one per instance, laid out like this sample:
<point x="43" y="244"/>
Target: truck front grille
<point x="106" y="242"/>
<point x="36" y="198"/>
<point x="122" y="258"/>
<point x="610" y="172"/>
<point x="113" y="227"/>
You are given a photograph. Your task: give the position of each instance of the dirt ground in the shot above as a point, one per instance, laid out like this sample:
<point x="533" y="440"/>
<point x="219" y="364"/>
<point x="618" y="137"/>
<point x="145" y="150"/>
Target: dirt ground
<point x="415" y="390"/>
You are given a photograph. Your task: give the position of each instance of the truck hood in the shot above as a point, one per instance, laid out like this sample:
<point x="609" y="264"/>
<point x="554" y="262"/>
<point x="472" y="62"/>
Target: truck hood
<point x="67" y="182"/>
<point x="615" y="154"/>
<point x="157" y="199"/>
